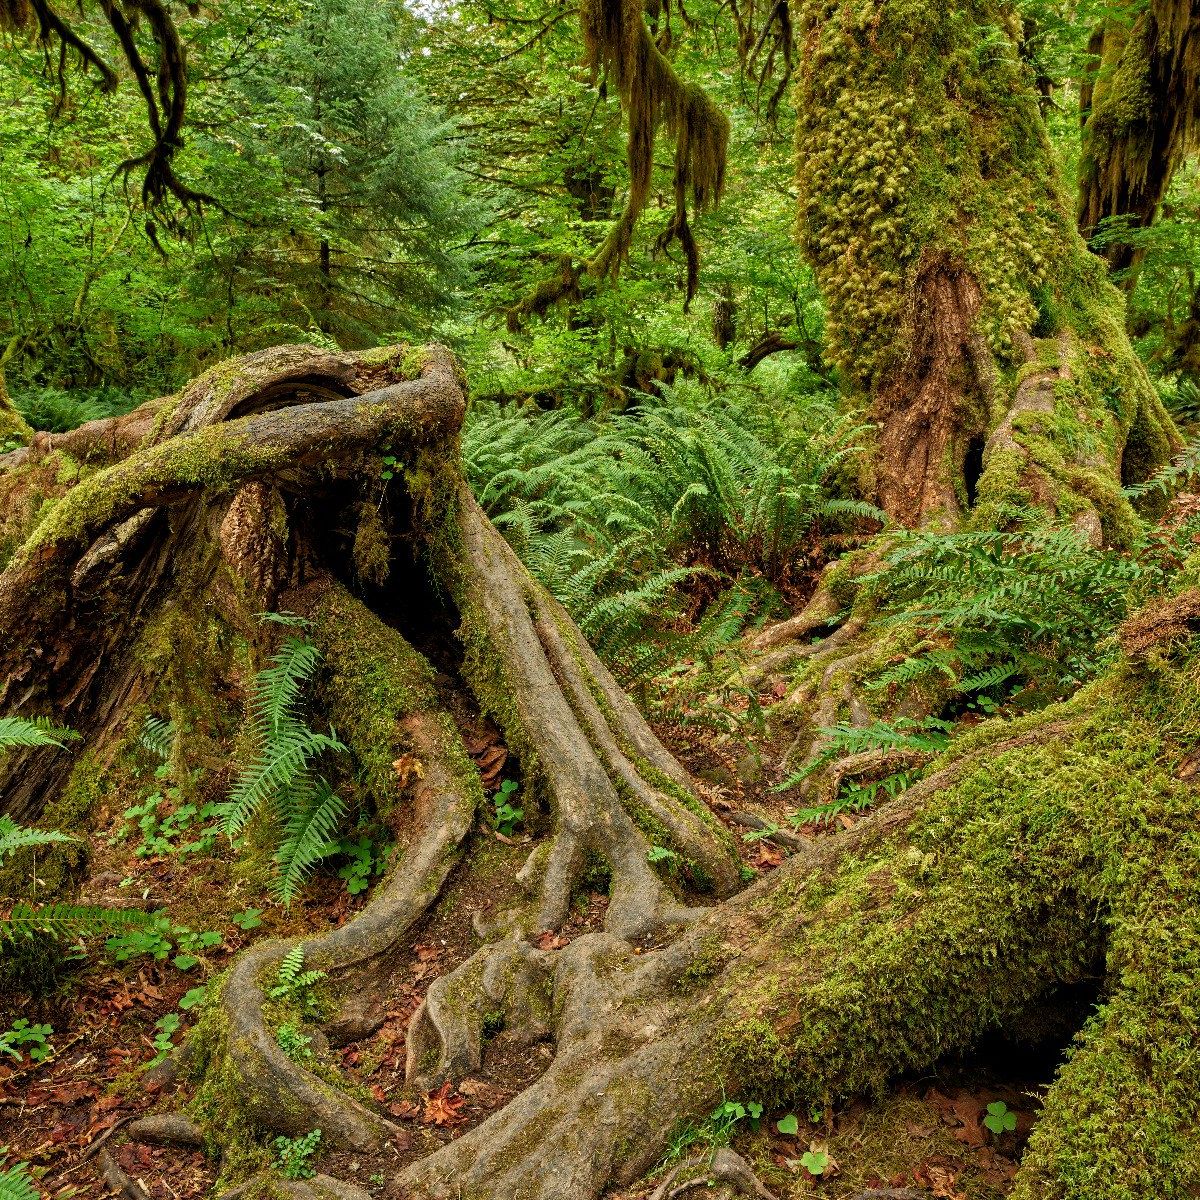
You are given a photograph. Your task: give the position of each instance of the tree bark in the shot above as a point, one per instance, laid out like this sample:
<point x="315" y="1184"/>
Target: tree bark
<point x="960" y="293"/>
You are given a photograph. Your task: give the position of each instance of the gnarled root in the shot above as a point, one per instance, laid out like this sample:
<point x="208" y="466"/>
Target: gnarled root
<point x="220" y="464"/>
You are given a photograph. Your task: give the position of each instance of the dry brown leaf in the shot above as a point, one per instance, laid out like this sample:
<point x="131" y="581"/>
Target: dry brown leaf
<point x="408" y="768"/>
<point x="442" y="1109"/>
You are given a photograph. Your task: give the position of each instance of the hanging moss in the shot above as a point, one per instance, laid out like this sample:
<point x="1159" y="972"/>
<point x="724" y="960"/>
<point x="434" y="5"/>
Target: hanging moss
<point x="1144" y="109"/>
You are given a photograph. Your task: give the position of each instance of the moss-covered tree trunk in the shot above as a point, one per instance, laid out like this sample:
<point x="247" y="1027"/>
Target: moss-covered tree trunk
<point x="964" y="308"/>
<point x="1140" y="109"/>
<point x="1039" y="853"/>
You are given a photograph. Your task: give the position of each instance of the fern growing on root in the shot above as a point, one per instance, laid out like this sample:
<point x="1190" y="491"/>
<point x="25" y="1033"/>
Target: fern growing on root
<point x="304" y="812"/>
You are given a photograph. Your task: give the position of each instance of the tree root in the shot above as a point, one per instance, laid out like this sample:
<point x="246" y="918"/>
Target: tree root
<point x="1039" y="854"/>
<point x="725" y="1167"/>
<point x="119" y="1180"/>
<point x="166" y="1129"/>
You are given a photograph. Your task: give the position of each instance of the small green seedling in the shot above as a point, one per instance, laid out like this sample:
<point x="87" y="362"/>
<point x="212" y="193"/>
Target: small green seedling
<point x="293" y="1156"/>
<point x="367" y="859"/>
<point x="293" y="1043"/>
<point x="248" y="918"/>
<point x="999" y="1120"/>
<point x="34" y="1038"/>
<point x="166" y="1026"/>
<point x="789" y="1125"/>
<point x="197" y="995"/>
<point x="388" y="469"/>
<point x="724" y="1118"/>
<point x="815" y="1162"/>
<point x="508" y="816"/>
<point x="661" y="854"/>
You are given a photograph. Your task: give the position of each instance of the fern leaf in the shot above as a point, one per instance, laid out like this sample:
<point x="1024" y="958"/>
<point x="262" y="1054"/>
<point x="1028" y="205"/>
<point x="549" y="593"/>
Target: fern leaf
<point x="16" y="1184"/>
<point x="69" y="921"/>
<point x="18" y="733"/>
<point x="158" y="737"/>
<point x="309" y="835"/>
<point x="15" y="837"/>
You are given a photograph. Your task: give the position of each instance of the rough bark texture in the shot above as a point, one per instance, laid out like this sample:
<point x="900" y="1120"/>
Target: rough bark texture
<point x="934" y="215"/>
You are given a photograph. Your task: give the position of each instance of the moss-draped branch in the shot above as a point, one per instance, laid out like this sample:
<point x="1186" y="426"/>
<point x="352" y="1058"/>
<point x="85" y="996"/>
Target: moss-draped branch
<point x="656" y="98"/>
<point x="161" y="78"/>
<point x="1144" y="115"/>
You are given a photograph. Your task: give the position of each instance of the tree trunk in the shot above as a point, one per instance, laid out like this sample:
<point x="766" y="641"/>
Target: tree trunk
<point x="1141" y="121"/>
<point x="963" y="305"/>
<point x="1039" y="853"/>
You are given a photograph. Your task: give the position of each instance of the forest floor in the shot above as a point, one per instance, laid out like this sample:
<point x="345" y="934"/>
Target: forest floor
<point x="65" y="1115"/>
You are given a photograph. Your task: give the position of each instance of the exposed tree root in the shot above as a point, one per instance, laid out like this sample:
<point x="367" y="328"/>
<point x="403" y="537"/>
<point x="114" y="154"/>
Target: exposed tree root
<point x="1040" y="853"/>
<point x="724" y="1167"/>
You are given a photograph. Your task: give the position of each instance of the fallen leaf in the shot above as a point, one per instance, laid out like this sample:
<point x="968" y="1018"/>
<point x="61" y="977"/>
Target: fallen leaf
<point x="408" y="767"/>
<point x="768" y="855"/>
<point x="442" y="1109"/>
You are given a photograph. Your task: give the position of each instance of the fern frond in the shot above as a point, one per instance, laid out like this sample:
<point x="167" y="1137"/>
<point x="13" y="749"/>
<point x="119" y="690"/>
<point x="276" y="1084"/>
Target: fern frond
<point x="19" y="733"/>
<point x="309" y="835"/>
<point x="69" y="921"/>
<point x="16" y="1184"/>
<point x="158" y="737"/>
<point x="282" y="761"/>
<point x="15" y="837"/>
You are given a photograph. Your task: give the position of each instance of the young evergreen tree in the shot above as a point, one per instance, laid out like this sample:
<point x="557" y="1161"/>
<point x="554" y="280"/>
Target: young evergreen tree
<point x="369" y="207"/>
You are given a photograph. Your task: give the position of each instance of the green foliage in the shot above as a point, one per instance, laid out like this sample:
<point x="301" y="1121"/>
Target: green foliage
<point x="248" y="918"/>
<point x="367" y="859"/>
<point x="293" y="1043"/>
<point x="164" y="816"/>
<point x="624" y="519"/>
<point x="158" y="937"/>
<point x="341" y="214"/>
<point x="194" y="997"/>
<point x="928" y="736"/>
<point x="57" y="409"/>
<point x="158" y="737"/>
<point x="718" y="1129"/>
<point x="506" y="815"/>
<point x="295" y="983"/>
<point x="999" y="1120"/>
<point x="789" y="1125"/>
<point x="165" y="1029"/>
<point x="1036" y="604"/>
<point x="294" y="1156"/>
<point x="35" y="1039"/>
<point x="814" y="1161"/>
<point x="14" y="837"/>
<point x="19" y="733"/>
<point x="303" y="811"/>
<point x="69" y="921"/>
<point x="1180" y="471"/>
<point x="16" y="1184"/>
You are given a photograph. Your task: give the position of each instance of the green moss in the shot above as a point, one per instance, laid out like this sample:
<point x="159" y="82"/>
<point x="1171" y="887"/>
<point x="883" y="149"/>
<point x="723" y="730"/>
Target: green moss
<point x="51" y="872"/>
<point x="1029" y="871"/>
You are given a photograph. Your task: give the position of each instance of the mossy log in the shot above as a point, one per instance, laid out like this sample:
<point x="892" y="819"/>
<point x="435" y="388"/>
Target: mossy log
<point x="1039" y="853"/>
